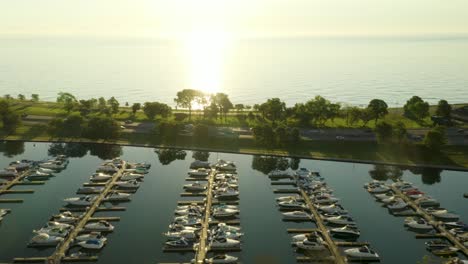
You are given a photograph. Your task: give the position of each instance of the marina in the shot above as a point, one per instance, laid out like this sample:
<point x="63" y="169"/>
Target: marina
<point x="151" y="209"/>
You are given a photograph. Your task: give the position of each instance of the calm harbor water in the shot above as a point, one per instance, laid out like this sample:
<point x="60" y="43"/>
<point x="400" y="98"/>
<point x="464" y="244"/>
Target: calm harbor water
<point x="138" y="239"/>
<point x="346" y="70"/>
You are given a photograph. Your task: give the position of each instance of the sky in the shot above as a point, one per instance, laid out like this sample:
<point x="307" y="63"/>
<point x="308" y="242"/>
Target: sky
<point x="253" y="18"/>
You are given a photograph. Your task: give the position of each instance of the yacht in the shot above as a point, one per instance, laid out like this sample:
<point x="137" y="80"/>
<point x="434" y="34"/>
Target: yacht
<point x="90" y="190"/>
<point x="311" y="243"/>
<point x="362" y="254"/>
<point x="115" y="196"/>
<point x="200" y="164"/>
<point x="302" y="237"/>
<point x="189" y="211"/>
<point x="100" y="177"/>
<point x="436" y="244"/>
<point x="231" y="235"/>
<point x="418" y="224"/>
<point x="3" y="212"/>
<point x="224" y="212"/>
<point x="180" y="243"/>
<point x="53" y="165"/>
<point x="99" y="226"/>
<point x="224" y="243"/>
<point x="65" y="217"/>
<point x="397" y="205"/>
<point x="227" y="228"/>
<point x="9" y="172"/>
<point x="195" y="187"/>
<point x="53" y="231"/>
<point x="303" y="173"/>
<point x="443" y="215"/>
<point x="340" y="220"/>
<point x="382" y="196"/>
<point x="277" y="174"/>
<point x="296" y="197"/>
<point x="297" y="215"/>
<point x="94" y="243"/>
<point x="226" y="193"/>
<point x="44" y="239"/>
<point x="427" y="201"/>
<point x="191" y="221"/>
<point x="414" y="194"/>
<point x="446" y="251"/>
<point x="223" y="165"/>
<point x="373" y="184"/>
<point x="379" y="189"/>
<point x="292" y="205"/>
<point x="347" y="231"/>
<point x="202" y="172"/>
<point x="449" y="225"/>
<point x="91" y="235"/>
<point x="80" y="201"/>
<point x="223" y="258"/>
<point x="131" y="184"/>
<point x="52" y="224"/>
<point x="324" y="199"/>
<point x="131" y="176"/>
<point x="186" y="234"/>
<point x="334" y="208"/>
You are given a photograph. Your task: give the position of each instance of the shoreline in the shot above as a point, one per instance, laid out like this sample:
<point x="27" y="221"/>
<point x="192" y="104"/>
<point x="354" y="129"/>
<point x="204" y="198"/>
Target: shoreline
<point x="245" y="152"/>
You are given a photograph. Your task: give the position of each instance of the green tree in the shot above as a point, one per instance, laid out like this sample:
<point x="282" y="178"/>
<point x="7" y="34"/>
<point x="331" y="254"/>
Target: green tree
<point x="35" y="97"/>
<point x="416" y="108"/>
<point x="21" y="97"/>
<point x="187" y="97"/>
<point x="239" y="107"/>
<point x="102" y="127"/>
<point x="151" y="109"/>
<point x="102" y="105"/>
<point x="435" y="139"/>
<point x="273" y="109"/>
<point x="365" y="115"/>
<point x="378" y="108"/>
<point x="135" y="108"/>
<point x="354" y="115"/>
<point x="384" y="131"/>
<point x="4" y="106"/>
<point x="114" y="105"/>
<point x="11" y="121"/>
<point x="444" y="109"/>
<point x="73" y="125"/>
<point x="211" y="111"/>
<point x="222" y="101"/>
<point x="399" y="131"/>
<point x="86" y="106"/>
<point x="67" y="100"/>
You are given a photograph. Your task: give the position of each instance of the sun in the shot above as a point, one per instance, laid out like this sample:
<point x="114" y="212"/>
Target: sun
<point x="206" y="53"/>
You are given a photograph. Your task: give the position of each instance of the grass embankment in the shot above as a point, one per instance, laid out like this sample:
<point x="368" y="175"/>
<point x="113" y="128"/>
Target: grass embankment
<point x="455" y="156"/>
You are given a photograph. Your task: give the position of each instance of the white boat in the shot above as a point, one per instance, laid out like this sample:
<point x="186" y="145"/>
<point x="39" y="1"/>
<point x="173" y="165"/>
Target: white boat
<point x="196" y="207"/>
<point x="373" y="184"/>
<point x="446" y="216"/>
<point x="297" y="215"/>
<point x="223" y="243"/>
<point x="225" y="212"/>
<point x="131" y="176"/>
<point x="418" y="224"/>
<point x="65" y="217"/>
<point x="340" y="220"/>
<point x="90" y="190"/>
<point x="53" y="231"/>
<point x="324" y="199"/>
<point x="115" y="196"/>
<point x="196" y="187"/>
<point x="80" y="201"/>
<point x="313" y="243"/>
<point x="330" y="209"/>
<point x="292" y="204"/>
<point x="223" y="258"/>
<point x="189" y="221"/>
<point x="91" y="235"/>
<point x="280" y="174"/>
<point x="3" y="212"/>
<point x="96" y="177"/>
<point x="95" y="243"/>
<point x="362" y="254"/>
<point x="389" y="200"/>
<point x="227" y="228"/>
<point x="44" y="239"/>
<point x="379" y="189"/>
<point x="53" y="165"/>
<point x="215" y="233"/>
<point x="427" y="201"/>
<point x="132" y="184"/>
<point x="52" y="224"/>
<point x="44" y="170"/>
<point x="108" y="168"/>
<point x="346" y="231"/>
<point x="181" y="243"/>
<point x="99" y="226"/>
<point x="302" y="237"/>
<point x="226" y="193"/>
<point x="186" y="234"/>
<point x="202" y="172"/>
<point x="383" y="196"/>
<point x="296" y="197"/>
<point x="397" y="205"/>
<point x="223" y="165"/>
<point x="9" y="172"/>
<point x="303" y="173"/>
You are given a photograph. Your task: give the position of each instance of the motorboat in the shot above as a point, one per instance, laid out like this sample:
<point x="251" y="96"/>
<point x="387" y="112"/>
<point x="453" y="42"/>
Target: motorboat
<point x="94" y="243"/>
<point x="449" y="225"/>
<point x="91" y="235"/>
<point x="373" y="184"/>
<point x="224" y="212"/>
<point x="108" y="168"/>
<point x="200" y="164"/>
<point x="223" y="165"/>
<point x="297" y="215"/>
<point x="65" y="217"/>
<point x="389" y="200"/>
<point x="296" y="197"/>
<point x="178" y="227"/>
<point x="348" y="231"/>
<point x="324" y="199"/>
<point x="414" y="194"/>
<point x="138" y="170"/>
<point x="180" y="243"/>
<point x="278" y="174"/>
<point x="215" y="233"/>
<point x="333" y="208"/>
<point x="195" y="187"/>
<point x="131" y="176"/>
<point x="226" y="193"/>
<point x="201" y="172"/>
<point x="418" y="224"/>
<point x="44" y="170"/>
<point x="291" y="204"/>
<point x="427" y="201"/>
<point x="397" y="205"/>
<point x="303" y="173"/>
<point x="53" y="165"/>
<point x="52" y="224"/>
<point x="44" y="239"/>
<point x="340" y="220"/>
<point x="3" y="212"/>
<point x="99" y="226"/>
<point x="186" y="234"/>
<point x="311" y="243"/>
<point x="115" y="196"/>
<point x="188" y="221"/>
<point x="53" y="231"/>
<point x="20" y="165"/>
<point x="379" y="189"/>
<point x="90" y="190"/>
<point x="8" y="172"/>
<point x="362" y="254"/>
<point x="227" y="228"/>
<point x="194" y="212"/>
<point x="436" y="244"/>
<point x="444" y="215"/>
<point x="222" y="258"/>
<point x="196" y="207"/>
<point x="37" y="175"/>
<point x="302" y="237"/>
<point x="224" y="243"/>
<point x="382" y="196"/>
<point x="446" y="251"/>
<point x="80" y="201"/>
<point x="456" y="261"/>
<point x="145" y="165"/>
<point x="100" y="177"/>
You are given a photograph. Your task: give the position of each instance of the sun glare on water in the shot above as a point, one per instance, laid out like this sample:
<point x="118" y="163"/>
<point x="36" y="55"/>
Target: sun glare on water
<point x="205" y="58"/>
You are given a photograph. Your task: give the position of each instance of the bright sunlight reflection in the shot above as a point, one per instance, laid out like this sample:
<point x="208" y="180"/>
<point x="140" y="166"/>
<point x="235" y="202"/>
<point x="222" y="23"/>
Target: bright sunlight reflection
<point x="205" y="54"/>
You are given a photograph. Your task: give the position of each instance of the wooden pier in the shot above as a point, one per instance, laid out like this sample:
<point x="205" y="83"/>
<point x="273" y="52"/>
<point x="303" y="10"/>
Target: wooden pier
<point x="62" y="248"/>
<point x="294" y="191"/>
<point x="301" y="230"/>
<point x="437" y="225"/>
<point x="202" y="245"/>
<point x="6" y="187"/>
<point x="338" y="258"/>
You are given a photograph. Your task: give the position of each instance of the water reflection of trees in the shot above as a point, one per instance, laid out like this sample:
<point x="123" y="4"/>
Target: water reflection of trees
<point x="266" y="164"/>
<point x="385" y="172"/>
<point x="73" y="150"/>
<point x="12" y="148"/>
<point x="166" y="156"/>
<point x="201" y="155"/>
<point x="429" y="176"/>
<point x="105" y="151"/>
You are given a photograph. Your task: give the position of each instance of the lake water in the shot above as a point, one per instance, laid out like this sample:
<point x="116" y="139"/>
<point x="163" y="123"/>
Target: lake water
<point x="137" y="236"/>
<point x="347" y="70"/>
